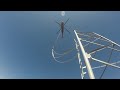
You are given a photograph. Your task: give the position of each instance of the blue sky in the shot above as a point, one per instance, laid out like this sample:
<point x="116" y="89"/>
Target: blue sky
<point x="27" y="37"/>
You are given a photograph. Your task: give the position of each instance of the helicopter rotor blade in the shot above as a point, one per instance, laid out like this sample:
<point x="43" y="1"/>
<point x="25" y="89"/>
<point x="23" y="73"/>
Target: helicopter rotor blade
<point x="58" y="31"/>
<point x="67" y="30"/>
<point x="66" y="21"/>
<point x="58" y="23"/>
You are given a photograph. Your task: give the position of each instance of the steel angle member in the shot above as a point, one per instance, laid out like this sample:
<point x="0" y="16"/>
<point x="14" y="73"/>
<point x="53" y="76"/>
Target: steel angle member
<point x="77" y="47"/>
<point x="76" y="44"/>
<point x="101" y="45"/>
<point x="79" y="61"/>
<point x="98" y="49"/>
<point x="81" y="65"/>
<point x="88" y="55"/>
<point x="106" y="63"/>
<point x="79" y="58"/>
<point x="84" y="67"/>
<point x="84" y="73"/>
<point x="82" y="77"/>
<point x="107" y="39"/>
<point x="80" y="38"/>
<point x="92" y="41"/>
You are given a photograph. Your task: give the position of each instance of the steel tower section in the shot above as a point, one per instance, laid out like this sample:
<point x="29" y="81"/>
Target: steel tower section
<point x="90" y="72"/>
<point x="102" y="44"/>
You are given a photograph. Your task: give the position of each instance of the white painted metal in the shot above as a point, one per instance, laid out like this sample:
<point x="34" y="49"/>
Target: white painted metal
<point x="101" y="45"/>
<point x="105" y="63"/>
<point x="90" y="72"/>
<point x="107" y="39"/>
<point x="80" y="62"/>
<point x="88" y="55"/>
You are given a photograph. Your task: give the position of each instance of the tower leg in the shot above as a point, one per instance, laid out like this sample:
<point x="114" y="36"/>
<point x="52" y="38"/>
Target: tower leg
<point x="90" y="71"/>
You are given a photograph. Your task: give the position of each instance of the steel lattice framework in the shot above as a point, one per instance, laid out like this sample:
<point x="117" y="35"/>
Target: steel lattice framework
<point x="92" y="47"/>
<point x="99" y="44"/>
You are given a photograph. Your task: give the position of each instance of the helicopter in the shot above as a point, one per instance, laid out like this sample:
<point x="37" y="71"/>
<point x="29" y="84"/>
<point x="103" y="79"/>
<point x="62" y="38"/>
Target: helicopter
<point x="62" y="27"/>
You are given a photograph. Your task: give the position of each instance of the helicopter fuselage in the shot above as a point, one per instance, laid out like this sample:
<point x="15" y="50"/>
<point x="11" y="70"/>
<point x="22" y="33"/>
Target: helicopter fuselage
<point x="62" y="28"/>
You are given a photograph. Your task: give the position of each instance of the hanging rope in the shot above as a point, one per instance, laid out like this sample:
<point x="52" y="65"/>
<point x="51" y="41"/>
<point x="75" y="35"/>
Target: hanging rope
<point x="61" y="54"/>
<point x="63" y="61"/>
<point x="65" y="52"/>
<point x="108" y="62"/>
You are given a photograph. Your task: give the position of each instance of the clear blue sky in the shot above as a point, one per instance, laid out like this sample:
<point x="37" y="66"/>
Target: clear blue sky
<point x="26" y="40"/>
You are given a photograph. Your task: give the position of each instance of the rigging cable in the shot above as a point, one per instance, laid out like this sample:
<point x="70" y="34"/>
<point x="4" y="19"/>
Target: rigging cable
<point x="108" y="62"/>
<point x="63" y="61"/>
<point x="60" y="55"/>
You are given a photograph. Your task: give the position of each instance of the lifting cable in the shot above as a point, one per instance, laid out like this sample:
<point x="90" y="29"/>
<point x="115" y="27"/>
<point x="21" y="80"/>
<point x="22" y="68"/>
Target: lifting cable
<point x="61" y="54"/>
